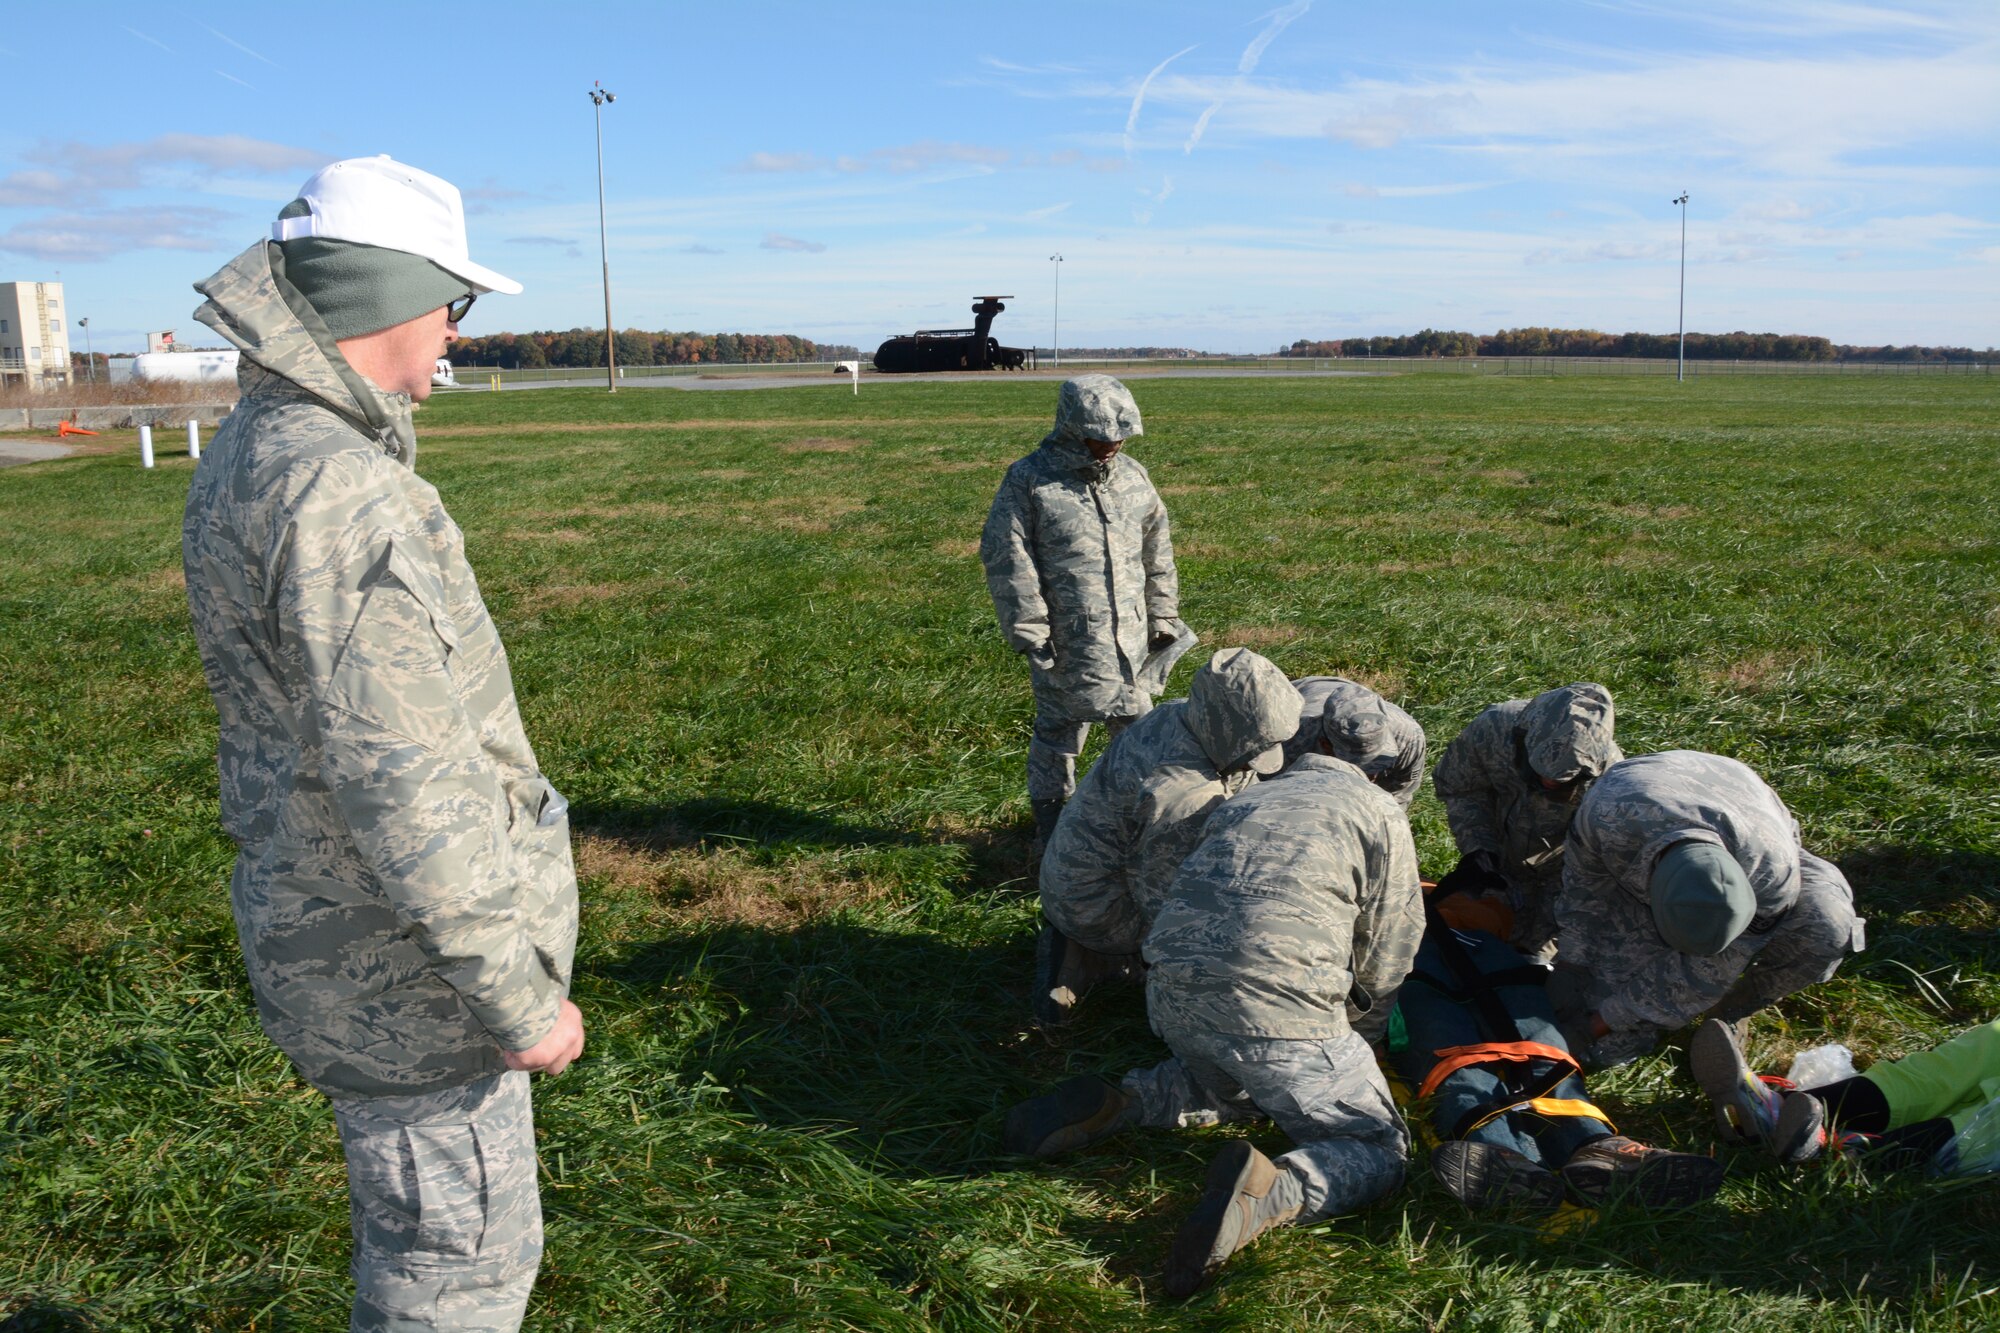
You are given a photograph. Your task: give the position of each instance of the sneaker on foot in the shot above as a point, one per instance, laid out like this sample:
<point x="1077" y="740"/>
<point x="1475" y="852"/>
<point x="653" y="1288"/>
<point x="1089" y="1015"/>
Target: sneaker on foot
<point x="1617" y="1168"/>
<point x="1746" y="1105"/>
<point x="1800" y="1134"/>
<point x="1240" y="1202"/>
<point x="1484" y="1175"/>
<point x="1081" y="1111"/>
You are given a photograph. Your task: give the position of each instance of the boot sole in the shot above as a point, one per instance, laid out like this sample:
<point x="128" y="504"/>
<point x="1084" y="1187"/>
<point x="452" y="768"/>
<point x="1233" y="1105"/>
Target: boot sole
<point x="1078" y="1113"/>
<point x="1213" y="1230"/>
<point x="1676" y="1180"/>
<point x="1482" y="1177"/>
<point x="1733" y="1088"/>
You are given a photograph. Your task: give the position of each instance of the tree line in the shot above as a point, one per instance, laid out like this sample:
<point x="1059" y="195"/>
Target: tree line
<point x="637" y="347"/>
<point x="1535" y="341"/>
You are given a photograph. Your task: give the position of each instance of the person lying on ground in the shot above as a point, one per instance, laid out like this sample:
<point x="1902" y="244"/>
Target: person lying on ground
<point x="1510" y="783"/>
<point x="1139" y="811"/>
<point x="1271" y="965"/>
<point x="1686" y="892"/>
<point x="1936" y="1109"/>
<point x="1363" y="728"/>
<point x="1079" y="560"/>
<point x="1514" y="1125"/>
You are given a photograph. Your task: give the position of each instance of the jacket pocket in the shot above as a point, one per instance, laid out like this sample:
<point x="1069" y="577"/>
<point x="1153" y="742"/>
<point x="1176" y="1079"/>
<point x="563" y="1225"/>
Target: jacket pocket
<point x="538" y="829"/>
<point x="394" y="672"/>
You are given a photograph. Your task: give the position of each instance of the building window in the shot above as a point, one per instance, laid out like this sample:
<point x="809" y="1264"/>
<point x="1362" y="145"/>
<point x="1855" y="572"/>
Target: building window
<point x="34" y="354"/>
<point x="3" y="326"/>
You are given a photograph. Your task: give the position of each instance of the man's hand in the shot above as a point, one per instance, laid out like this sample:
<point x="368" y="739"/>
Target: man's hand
<point x="1598" y="1027"/>
<point x="552" y="1054"/>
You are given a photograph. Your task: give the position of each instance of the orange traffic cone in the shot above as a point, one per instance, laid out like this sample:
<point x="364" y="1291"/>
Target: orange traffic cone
<point x="67" y="428"/>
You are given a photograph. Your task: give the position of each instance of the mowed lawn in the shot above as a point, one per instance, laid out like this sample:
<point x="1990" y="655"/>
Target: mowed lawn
<point x="753" y="644"/>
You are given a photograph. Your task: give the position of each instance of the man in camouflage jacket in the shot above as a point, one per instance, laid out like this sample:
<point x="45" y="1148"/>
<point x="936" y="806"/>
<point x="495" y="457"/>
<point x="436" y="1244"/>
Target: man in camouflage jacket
<point x="1274" y="961"/>
<point x="1510" y="783"/>
<point x="1080" y="563"/>
<point x="1771" y="917"/>
<point x="403" y="890"/>
<point x="1355" y="723"/>
<point x="1140" y="810"/>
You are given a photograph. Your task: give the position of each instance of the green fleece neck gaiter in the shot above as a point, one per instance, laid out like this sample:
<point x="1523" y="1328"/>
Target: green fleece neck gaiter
<point x="359" y="289"/>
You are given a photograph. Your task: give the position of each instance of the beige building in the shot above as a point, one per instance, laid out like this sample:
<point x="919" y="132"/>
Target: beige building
<point x="34" y="334"/>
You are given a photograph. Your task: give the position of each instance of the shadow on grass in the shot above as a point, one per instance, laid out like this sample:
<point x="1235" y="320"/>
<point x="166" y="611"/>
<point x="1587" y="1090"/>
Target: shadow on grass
<point x="990" y="860"/>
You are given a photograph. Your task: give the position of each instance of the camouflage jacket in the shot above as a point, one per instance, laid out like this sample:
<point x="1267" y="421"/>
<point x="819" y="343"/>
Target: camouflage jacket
<point x="1080" y="563"/>
<point x="1297" y="916"/>
<point x="1633" y="814"/>
<point x="1493" y="801"/>
<point x="403" y="890"/>
<point x="1396" y="761"/>
<point x="1141" y="808"/>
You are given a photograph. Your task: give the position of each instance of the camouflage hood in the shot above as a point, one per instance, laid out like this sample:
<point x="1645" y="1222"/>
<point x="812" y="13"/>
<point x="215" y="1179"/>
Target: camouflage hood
<point x="1565" y="733"/>
<point x="1364" y="735"/>
<point x="1095" y="407"/>
<point x="1241" y="708"/>
<point x="280" y="335"/>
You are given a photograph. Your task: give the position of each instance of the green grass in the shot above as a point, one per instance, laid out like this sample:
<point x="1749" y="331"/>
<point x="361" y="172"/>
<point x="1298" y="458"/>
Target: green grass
<point x="767" y="674"/>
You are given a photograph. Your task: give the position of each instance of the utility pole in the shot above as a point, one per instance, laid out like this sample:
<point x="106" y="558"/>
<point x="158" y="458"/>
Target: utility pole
<point x="598" y="97"/>
<point x="1681" y="373"/>
<point x="89" y="358"/>
<point x="1055" y="332"/>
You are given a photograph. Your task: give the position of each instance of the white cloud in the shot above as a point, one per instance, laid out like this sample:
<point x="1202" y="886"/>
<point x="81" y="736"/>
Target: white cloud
<point x="105" y="233"/>
<point x="1246" y="64"/>
<point x="777" y="241"/>
<point x="1036" y="215"/>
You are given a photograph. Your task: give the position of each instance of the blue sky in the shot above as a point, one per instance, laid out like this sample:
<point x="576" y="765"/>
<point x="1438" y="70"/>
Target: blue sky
<point x="1228" y="177"/>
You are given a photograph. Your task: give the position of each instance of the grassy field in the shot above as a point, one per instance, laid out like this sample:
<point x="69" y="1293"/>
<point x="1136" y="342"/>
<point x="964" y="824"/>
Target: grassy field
<point x="753" y="645"/>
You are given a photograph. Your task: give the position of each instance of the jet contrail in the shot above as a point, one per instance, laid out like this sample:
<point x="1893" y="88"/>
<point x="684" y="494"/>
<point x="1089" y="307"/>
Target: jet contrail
<point x="1280" y="19"/>
<point x="1139" y="98"/>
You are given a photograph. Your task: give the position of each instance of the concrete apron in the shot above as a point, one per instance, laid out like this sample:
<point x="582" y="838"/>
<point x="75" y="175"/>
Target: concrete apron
<point x="118" y="416"/>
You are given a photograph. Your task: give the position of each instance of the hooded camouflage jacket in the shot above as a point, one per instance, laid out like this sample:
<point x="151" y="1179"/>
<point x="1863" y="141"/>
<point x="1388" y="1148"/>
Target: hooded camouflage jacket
<point x="1365" y="729"/>
<point x="1080" y="560"/>
<point x="403" y="890"/>
<point x="1297" y="916"/>
<point x="1632" y="815"/>
<point x="1487" y="778"/>
<point x="1142" y="806"/>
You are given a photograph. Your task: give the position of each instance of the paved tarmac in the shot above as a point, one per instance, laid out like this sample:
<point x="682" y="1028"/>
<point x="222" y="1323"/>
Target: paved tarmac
<point x="698" y="383"/>
<point x="13" y="453"/>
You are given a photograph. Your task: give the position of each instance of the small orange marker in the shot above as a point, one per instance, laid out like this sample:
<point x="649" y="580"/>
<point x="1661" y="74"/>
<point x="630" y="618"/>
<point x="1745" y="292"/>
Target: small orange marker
<point x="64" y="428"/>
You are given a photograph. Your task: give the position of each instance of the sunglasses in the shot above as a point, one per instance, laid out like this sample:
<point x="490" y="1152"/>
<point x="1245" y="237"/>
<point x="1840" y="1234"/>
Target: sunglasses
<point x="456" y="311"/>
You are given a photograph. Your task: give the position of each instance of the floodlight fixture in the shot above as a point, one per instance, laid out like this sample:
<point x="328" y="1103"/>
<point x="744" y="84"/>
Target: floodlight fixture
<point x="1055" y="330"/>
<point x="1680" y="201"/>
<point x="598" y="97"/>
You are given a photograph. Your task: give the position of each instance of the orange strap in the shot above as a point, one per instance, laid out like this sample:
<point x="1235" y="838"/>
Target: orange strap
<point x="1451" y="1059"/>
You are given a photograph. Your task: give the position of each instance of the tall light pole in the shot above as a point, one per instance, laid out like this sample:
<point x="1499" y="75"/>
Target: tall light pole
<point x="598" y="97"/>
<point x="1682" y="202"/>
<point x="89" y="359"/>
<point x="1055" y="332"/>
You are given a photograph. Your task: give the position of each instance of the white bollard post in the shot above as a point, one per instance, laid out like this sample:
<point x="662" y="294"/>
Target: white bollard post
<point x="194" y="439"/>
<point x="852" y="368"/>
<point x="145" y="446"/>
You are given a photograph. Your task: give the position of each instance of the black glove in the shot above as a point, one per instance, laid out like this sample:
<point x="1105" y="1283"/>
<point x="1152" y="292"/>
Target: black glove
<point x="1474" y="875"/>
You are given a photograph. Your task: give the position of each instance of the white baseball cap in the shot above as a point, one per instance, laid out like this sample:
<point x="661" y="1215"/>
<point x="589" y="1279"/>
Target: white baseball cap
<point x="380" y="201"/>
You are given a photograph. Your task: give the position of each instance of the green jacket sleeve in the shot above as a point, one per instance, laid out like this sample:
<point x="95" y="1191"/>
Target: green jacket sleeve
<point x="358" y="600"/>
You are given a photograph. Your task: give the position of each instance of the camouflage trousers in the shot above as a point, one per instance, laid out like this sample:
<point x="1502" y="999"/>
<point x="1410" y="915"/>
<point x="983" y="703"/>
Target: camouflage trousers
<point x="1802" y="948"/>
<point x="1054" y="747"/>
<point x="1327" y="1094"/>
<point x="446" y="1212"/>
